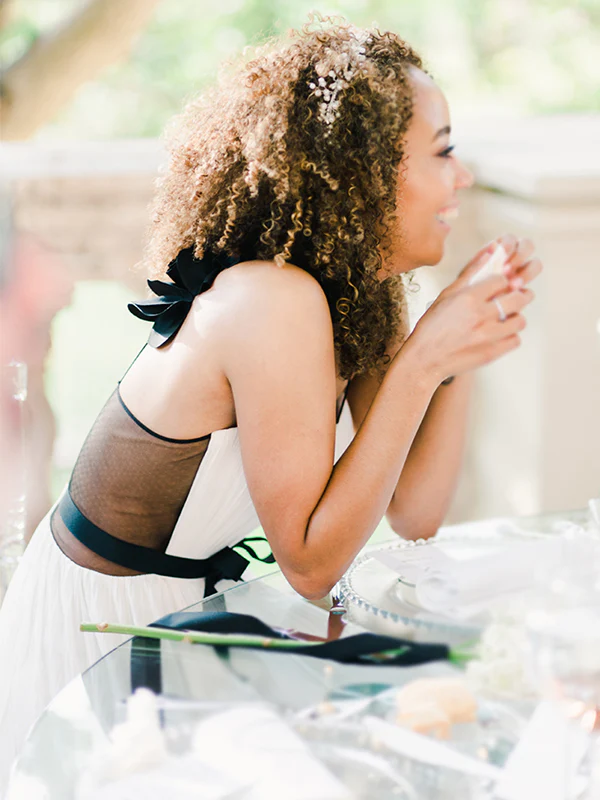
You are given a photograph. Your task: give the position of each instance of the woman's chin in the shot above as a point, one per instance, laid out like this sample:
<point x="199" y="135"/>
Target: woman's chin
<point x="432" y="250"/>
<point x="432" y="257"/>
<point x="433" y="262"/>
<point x="428" y="255"/>
<point x="438" y="246"/>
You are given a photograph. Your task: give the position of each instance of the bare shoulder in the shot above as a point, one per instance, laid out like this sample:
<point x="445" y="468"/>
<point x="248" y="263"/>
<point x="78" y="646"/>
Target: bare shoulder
<point x="260" y="298"/>
<point x="275" y="328"/>
<point x="261" y="282"/>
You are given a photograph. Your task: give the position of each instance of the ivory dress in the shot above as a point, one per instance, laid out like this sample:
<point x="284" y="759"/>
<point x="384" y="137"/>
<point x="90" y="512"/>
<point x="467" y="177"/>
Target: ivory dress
<point x="41" y="646"/>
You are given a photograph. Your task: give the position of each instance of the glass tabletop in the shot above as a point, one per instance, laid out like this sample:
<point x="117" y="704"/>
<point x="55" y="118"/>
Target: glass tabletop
<point x="80" y="718"/>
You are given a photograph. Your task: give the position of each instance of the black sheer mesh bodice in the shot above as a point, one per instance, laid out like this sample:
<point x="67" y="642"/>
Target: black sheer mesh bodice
<point x="130" y="481"/>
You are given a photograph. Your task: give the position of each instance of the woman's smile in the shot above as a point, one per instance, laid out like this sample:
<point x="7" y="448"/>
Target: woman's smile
<point x="447" y="215"/>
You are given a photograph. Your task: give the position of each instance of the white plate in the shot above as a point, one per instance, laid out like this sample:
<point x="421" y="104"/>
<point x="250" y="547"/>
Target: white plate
<point x="379" y="599"/>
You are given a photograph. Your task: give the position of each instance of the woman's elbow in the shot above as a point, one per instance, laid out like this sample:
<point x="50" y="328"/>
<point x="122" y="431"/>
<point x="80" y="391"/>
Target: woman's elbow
<point x="311" y="572"/>
<point x="411" y="530"/>
<point x="312" y="584"/>
<point x="311" y="588"/>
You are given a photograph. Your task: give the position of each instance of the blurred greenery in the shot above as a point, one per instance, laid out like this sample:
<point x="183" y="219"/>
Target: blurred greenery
<point x="493" y="57"/>
<point x="87" y="360"/>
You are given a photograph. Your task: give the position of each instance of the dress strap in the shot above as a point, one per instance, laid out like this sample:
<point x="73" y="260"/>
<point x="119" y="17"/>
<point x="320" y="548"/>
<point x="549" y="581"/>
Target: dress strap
<point x="342" y="404"/>
<point x="224" y="564"/>
<point x="144" y="346"/>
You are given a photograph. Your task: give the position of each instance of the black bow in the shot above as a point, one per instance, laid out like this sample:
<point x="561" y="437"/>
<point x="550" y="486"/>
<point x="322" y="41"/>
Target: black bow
<point x="190" y="277"/>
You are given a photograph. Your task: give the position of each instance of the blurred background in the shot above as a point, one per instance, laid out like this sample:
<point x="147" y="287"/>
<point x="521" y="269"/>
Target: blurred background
<point x="87" y="88"/>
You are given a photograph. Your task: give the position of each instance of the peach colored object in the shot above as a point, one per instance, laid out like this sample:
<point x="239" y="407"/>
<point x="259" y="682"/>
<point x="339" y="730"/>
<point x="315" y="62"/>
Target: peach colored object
<point x="425" y="717"/>
<point x="432" y="705"/>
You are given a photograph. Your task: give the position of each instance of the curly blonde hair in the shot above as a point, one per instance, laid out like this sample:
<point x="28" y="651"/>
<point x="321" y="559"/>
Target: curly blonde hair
<point x="294" y="157"/>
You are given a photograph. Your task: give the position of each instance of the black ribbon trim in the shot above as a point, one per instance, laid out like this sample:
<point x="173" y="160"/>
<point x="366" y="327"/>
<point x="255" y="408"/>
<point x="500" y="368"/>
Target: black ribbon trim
<point x="224" y="564"/>
<point x="190" y="277"/>
<point x="362" y="649"/>
<point x="358" y="649"/>
<point x="268" y="559"/>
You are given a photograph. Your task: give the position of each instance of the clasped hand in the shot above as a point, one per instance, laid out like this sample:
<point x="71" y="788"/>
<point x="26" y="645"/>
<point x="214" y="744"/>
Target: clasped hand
<point x="471" y="325"/>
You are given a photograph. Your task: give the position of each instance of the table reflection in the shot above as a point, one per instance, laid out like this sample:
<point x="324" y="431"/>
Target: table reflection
<point x="79" y="719"/>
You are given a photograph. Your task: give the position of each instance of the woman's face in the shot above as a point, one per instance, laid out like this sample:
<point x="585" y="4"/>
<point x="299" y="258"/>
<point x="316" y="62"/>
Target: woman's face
<point x="429" y="178"/>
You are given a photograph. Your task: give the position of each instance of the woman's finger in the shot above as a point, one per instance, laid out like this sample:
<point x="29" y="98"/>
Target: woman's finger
<point x="489" y="287"/>
<point x="510" y="244"/>
<point x="509" y="304"/>
<point x="500" y="330"/>
<point x="526" y="273"/>
<point x="475" y="264"/>
<point x="518" y="252"/>
<point x="522" y="253"/>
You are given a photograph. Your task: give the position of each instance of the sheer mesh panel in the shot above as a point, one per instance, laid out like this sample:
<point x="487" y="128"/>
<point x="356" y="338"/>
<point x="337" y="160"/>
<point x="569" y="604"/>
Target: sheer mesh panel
<point x="130" y="482"/>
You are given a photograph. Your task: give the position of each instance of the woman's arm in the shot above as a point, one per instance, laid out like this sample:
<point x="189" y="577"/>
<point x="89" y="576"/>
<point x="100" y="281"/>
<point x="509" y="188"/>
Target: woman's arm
<point x="426" y="485"/>
<point x="277" y="353"/>
<point x="428" y="480"/>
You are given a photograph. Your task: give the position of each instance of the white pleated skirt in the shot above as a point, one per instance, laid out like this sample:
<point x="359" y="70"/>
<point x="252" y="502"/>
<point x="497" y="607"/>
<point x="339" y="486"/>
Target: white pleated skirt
<point x="41" y="646"/>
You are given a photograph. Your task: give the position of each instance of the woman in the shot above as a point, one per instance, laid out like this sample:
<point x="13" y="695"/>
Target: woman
<point x="298" y="194"/>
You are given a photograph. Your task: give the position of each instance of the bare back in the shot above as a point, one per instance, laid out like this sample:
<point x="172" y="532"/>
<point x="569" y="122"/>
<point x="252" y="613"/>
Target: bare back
<point x="136" y="467"/>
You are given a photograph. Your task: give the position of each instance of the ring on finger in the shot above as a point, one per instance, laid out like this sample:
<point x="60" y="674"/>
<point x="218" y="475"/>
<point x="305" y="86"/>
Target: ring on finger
<point x="501" y="311"/>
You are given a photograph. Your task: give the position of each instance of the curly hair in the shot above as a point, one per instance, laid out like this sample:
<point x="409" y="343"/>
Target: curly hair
<point x="293" y="157"/>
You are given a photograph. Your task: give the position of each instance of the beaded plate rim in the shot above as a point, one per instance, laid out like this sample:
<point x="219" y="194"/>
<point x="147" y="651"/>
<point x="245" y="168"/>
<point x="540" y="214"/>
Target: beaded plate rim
<point x="349" y="596"/>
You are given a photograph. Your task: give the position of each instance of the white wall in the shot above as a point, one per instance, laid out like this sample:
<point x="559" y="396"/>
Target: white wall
<point x="534" y="441"/>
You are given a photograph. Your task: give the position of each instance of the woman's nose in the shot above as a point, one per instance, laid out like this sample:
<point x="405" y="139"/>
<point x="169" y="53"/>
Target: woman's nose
<point x="464" y="176"/>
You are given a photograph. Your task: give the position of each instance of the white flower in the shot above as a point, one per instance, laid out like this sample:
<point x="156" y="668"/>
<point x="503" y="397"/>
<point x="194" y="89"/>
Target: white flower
<point x="500" y="667"/>
<point x="335" y="73"/>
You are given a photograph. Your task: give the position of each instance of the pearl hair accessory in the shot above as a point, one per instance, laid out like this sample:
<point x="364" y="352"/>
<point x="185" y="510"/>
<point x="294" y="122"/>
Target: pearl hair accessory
<point x="335" y="76"/>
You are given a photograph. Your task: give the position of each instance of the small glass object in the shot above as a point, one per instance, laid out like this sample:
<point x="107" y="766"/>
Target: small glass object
<point x="14" y="510"/>
<point x="563" y="630"/>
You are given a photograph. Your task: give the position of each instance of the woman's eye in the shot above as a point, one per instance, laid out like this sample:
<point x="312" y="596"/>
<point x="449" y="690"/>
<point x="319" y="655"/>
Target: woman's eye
<point x="447" y="152"/>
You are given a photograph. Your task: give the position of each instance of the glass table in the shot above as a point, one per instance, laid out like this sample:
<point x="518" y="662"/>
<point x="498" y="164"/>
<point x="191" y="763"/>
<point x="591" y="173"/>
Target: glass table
<point x="79" y="719"/>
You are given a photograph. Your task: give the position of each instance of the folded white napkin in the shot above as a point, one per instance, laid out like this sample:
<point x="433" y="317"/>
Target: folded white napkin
<point x="463" y="588"/>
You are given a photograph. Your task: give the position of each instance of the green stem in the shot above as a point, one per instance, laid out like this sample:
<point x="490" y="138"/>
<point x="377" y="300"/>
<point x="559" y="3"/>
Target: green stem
<point x="457" y="656"/>
<point x="465" y="653"/>
<point x="215" y="639"/>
